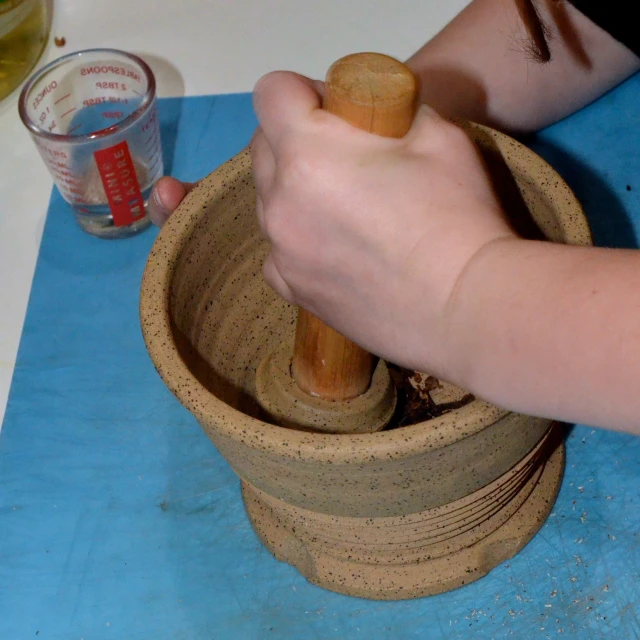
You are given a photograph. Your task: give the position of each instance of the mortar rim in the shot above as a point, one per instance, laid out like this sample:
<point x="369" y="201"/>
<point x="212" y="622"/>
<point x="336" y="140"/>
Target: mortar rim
<point x="298" y="445"/>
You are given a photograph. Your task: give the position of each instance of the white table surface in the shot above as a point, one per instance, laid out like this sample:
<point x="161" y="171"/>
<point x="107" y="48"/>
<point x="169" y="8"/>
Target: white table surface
<point x="195" y="47"/>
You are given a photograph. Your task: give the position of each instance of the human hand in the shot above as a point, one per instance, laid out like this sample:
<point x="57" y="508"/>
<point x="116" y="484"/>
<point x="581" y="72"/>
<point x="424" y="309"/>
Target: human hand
<point x="166" y="195"/>
<point x="370" y="234"/>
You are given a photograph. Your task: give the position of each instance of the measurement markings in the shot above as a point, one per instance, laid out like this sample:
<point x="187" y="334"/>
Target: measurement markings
<point x="158" y="157"/>
<point x="66" y="113"/>
<point x="73" y="129"/>
<point x="149" y="139"/>
<point x="152" y="148"/>
<point x="61" y="99"/>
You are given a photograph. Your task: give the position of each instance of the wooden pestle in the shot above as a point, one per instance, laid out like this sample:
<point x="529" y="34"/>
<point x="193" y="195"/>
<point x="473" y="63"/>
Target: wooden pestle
<point x="378" y="94"/>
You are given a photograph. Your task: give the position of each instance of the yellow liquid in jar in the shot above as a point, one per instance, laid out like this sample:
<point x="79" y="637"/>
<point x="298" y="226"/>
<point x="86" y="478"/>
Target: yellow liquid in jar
<point x="23" y="34"/>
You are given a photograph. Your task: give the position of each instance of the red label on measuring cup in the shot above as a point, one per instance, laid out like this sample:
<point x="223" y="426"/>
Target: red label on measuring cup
<point x="120" y="184"/>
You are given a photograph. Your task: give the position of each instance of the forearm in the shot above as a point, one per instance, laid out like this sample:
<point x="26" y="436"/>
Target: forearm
<point x="477" y="67"/>
<point x="551" y="330"/>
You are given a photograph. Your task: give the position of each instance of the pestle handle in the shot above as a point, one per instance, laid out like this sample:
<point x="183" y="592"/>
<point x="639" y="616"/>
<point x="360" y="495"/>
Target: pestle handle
<point x="378" y="94"/>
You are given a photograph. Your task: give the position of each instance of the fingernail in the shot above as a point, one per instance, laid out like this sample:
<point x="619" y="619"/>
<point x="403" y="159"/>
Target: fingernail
<point x="157" y="201"/>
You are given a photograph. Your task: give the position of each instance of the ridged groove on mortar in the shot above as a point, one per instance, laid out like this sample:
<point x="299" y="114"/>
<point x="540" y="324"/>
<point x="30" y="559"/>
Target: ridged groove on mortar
<point x="419" y="536"/>
<point x="415" y="572"/>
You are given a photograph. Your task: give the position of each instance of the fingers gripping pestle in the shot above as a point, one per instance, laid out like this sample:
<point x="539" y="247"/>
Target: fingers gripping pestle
<point x="331" y="384"/>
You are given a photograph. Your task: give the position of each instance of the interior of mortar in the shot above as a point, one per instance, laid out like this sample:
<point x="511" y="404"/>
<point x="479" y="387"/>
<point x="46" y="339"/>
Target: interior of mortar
<point x="225" y="319"/>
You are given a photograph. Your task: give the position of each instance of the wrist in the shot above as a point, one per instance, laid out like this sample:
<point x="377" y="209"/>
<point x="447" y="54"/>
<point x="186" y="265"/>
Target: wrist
<point x="472" y="311"/>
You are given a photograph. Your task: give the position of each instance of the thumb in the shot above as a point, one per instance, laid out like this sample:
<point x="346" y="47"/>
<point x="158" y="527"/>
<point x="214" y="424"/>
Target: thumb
<point x="165" y="197"/>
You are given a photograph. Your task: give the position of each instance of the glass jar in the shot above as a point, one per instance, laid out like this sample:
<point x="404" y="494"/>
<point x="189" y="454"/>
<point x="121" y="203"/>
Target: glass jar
<point x="24" y="27"/>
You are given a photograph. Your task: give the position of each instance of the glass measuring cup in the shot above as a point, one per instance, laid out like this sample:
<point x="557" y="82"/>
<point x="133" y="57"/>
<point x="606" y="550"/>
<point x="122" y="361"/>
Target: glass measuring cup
<point x="93" y="116"/>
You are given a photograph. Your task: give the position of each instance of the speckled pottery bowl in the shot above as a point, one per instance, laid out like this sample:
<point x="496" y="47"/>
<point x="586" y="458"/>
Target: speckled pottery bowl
<point x="397" y="514"/>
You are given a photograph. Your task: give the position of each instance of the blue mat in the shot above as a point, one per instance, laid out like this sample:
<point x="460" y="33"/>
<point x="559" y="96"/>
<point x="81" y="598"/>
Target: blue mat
<point x="119" y="519"/>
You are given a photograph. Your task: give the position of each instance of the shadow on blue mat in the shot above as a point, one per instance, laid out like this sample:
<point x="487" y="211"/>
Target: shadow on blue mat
<point x="610" y="221"/>
<point x="597" y="151"/>
<point x="170" y="118"/>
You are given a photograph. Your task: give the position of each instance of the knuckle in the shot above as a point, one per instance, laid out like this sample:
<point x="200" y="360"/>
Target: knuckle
<point x="297" y="166"/>
<point x="273" y="278"/>
<point x="271" y="223"/>
<point x="433" y="131"/>
<point x="458" y="136"/>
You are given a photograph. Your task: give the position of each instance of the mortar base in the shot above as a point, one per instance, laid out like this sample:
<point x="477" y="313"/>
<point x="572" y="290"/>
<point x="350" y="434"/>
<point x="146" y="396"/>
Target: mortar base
<point x="416" y="571"/>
